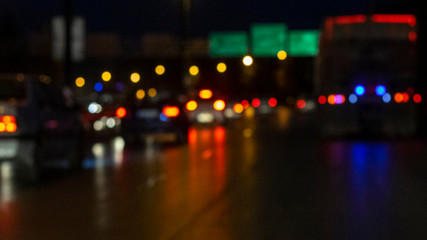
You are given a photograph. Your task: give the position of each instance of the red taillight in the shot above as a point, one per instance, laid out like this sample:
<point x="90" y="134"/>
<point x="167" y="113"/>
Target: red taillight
<point x="121" y="112"/>
<point x="272" y="102"/>
<point x="171" y="111"/>
<point x="245" y="104"/>
<point x="256" y="102"/>
<point x="300" y="104"/>
<point x="417" y="98"/>
<point x="8" y="124"/>
<point x="322" y="99"/>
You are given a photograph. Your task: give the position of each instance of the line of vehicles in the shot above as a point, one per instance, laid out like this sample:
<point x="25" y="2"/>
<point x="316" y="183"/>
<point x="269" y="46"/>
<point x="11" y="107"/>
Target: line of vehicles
<point x="43" y="126"/>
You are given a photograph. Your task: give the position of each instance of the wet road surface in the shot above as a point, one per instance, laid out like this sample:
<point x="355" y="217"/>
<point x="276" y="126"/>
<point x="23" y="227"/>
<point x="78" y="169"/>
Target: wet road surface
<point x="252" y="180"/>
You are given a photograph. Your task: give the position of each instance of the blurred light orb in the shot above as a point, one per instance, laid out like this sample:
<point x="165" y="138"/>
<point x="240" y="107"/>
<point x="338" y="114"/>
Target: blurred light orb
<point x="248" y="60"/>
<point x="282" y="55"/>
<point x="135" y="77"/>
<point x="106" y="76"/>
<point x="152" y="92"/>
<point x="160" y="70"/>
<point x="80" y="82"/>
<point x="140" y="94"/>
<point x="221" y="67"/>
<point x="99" y="87"/>
<point x="194" y="70"/>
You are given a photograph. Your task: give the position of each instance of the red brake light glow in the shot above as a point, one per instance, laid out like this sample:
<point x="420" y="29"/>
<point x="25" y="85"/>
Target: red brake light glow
<point x="301" y="104"/>
<point x="256" y="102"/>
<point x="395" y="18"/>
<point x="322" y="99"/>
<point x="8" y="124"/>
<point x="417" y="98"/>
<point x="272" y="102"/>
<point x="171" y="111"/>
<point x="121" y="112"/>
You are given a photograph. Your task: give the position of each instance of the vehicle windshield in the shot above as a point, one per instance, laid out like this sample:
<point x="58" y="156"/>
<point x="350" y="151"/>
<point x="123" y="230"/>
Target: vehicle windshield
<point x="11" y="88"/>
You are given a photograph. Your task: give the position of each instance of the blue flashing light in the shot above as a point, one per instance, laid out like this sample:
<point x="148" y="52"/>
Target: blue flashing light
<point x="380" y="90"/>
<point x="99" y="87"/>
<point x="359" y="90"/>
<point x="386" y="98"/>
<point x="352" y="98"/>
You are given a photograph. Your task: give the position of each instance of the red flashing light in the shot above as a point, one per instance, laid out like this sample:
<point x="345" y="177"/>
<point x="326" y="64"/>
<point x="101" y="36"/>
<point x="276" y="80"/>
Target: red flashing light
<point x="272" y="102"/>
<point x="171" y="111"/>
<point x="395" y="18"/>
<point x="322" y="99"/>
<point x="301" y="104"/>
<point x="121" y="112"/>
<point x="417" y="98"/>
<point x="256" y="102"/>
<point x="350" y="19"/>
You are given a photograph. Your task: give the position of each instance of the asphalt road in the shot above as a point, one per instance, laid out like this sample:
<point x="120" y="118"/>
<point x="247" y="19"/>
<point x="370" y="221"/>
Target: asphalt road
<point x="268" y="178"/>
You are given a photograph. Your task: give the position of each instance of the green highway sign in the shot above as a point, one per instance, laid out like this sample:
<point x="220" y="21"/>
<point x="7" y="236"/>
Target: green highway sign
<point x="228" y="44"/>
<point x="303" y="43"/>
<point x="268" y="39"/>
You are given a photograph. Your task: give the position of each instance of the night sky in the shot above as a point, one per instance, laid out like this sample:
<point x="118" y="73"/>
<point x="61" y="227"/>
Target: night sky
<point x="132" y="18"/>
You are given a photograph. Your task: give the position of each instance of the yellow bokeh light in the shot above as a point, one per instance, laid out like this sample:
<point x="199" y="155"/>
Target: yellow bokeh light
<point x="160" y="70"/>
<point x="282" y="55"/>
<point x="152" y="92"/>
<point x="194" y="70"/>
<point x="247" y="60"/>
<point x="106" y="76"/>
<point x="135" y="77"/>
<point x="221" y="67"/>
<point x="140" y="94"/>
<point x="80" y="82"/>
<point x="238" y="108"/>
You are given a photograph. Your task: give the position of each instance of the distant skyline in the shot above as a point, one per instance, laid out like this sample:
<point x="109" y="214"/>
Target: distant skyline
<point x="132" y="18"/>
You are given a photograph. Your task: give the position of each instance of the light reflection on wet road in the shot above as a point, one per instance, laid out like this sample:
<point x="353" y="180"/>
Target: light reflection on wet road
<point x="253" y="181"/>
